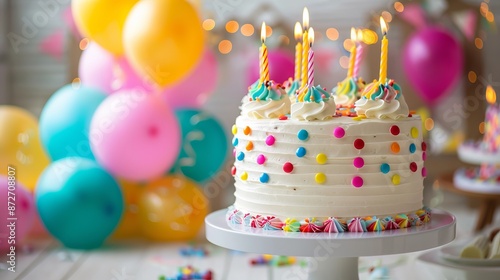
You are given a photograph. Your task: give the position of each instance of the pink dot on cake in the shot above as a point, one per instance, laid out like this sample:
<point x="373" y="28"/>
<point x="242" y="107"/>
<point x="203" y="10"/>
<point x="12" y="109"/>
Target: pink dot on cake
<point x="357" y="182"/>
<point x="270" y="140"/>
<point x="424" y="156"/>
<point x="424" y="172"/>
<point x="358" y="162"/>
<point x="261" y="159"/>
<point x="339" y="132"/>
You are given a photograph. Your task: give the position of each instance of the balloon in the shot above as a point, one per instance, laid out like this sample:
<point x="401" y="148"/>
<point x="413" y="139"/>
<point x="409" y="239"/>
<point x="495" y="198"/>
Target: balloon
<point x="433" y="62"/>
<point x="103" y="21"/>
<point x="20" y="145"/>
<point x="79" y="203"/>
<point x="193" y="90"/>
<point x="281" y="67"/>
<point x="204" y="145"/>
<point x="172" y="208"/>
<point x="65" y="121"/>
<point x="134" y="135"/>
<point x="163" y="39"/>
<point x="129" y="224"/>
<point x="101" y="69"/>
<point x="15" y="199"/>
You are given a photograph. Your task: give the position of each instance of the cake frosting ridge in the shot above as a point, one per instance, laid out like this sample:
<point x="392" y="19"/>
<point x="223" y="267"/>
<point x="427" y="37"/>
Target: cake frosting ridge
<point x="265" y="100"/>
<point x="382" y="100"/>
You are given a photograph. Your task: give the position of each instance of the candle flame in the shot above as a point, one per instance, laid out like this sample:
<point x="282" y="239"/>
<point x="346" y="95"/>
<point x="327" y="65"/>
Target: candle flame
<point x="353" y="35"/>
<point x="491" y="95"/>
<point x="298" y="31"/>
<point x="359" y="35"/>
<point x="311" y="36"/>
<point x="383" y="25"/>
<point x="305" y="18"/>
<point x="263" y="32"/>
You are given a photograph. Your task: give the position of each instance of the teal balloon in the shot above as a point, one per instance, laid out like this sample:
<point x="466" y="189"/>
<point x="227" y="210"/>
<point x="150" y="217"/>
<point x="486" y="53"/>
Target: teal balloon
<point x="79" y="202"/>
<point x="65" y="121"/>
<point x="204" y="145"/>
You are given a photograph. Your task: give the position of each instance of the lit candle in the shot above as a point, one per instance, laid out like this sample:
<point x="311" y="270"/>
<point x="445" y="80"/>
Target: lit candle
<point x="305" y="47"/>
<point x="310" y="66"/>
<point x="359" y="53"/>
<point x="383" y="54"/>
<point x="298" y="49"/>
<point x="264" y="63"/>
<point x="353" y="53"/>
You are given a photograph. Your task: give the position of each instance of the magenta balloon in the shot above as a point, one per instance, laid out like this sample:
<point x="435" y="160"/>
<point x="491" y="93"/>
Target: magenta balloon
<point x="135" y="135"/>
<point x="100" y="69"/>
<point x="18" y="197"/>
<point x="281" y="67"/>
<point x="193" y="90"/>
<point x="433" y="62"/>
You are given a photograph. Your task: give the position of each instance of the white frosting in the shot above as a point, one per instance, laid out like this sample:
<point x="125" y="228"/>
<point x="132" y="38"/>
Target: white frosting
<point x="265" y="109"/>
<point x="344" y="99"/>
<point x="380" y="109"/>
<point x="313" y="111"/>
<point x="298" y="195"/>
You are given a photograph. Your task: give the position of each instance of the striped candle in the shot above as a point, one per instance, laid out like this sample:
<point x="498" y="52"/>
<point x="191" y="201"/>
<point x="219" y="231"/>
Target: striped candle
<point x="310" y="66"/>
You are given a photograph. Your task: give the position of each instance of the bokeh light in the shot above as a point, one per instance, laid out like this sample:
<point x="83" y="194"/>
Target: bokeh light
<point x="269" y="31"/>
<point x="247" y="30"/>
<point x="472" y="76"/>
<point x="208" y="24"/>
<point x="332" y="33"/>
<point x="232" y="26"/>
<point x="429" y="124"/>
<point x="370" y="37"/>
<point x="84" y="43"/>
<point x="225" y="46"/>
<point x="387" y="16"/>
<point x="399" y="7"/>
<point x="481" y="127"/>
<point x="479" y="43"/>
<point x="348" y="44"/>
<point x="344" y="62"/>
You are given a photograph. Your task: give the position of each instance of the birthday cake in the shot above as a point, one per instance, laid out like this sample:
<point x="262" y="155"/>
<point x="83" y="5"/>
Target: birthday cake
<point x="303" y="164"/>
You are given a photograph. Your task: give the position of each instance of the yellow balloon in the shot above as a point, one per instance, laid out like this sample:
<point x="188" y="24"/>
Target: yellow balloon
<point x="20" y="145"/>
<point x="172" y="208"/>
<point x="129" y="224"/>
<point x="102" y="21"/>
<point x="163" y="39"/>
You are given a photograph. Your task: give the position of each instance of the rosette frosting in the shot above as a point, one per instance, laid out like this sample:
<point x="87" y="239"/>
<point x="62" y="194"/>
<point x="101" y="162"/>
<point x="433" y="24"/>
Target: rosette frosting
<point x="347" y="92"/>
<point x="291" y="88"/>
<point x="333" y="225"/>
<point x="265" y="101"/>
<point x="313" y="103"/>
<point x="382" y="101"/>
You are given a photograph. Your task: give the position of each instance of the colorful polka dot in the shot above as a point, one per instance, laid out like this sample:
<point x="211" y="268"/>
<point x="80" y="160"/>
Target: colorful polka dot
<point x="394" y="130"/>
<point x="283" y="118"/>
<point x="320" y="178"/>
<point x="357" y="182"/>
<point x="264" y="178"/>
<point x="244" y="176"/>
<point x="424" y="156"/>
<point x="413" y="167"/>
<point x="261" y="159"/>
<point x="233" y="170"/>
<point x="359" y="144"/>
<point x="303" y="135"/>
<point x="240" y="156"/>
<point x="414" y="132"/>
<point x="424" y="172"/>
<point x="339" y="132"/>
<point x="321" y="158"/>
<point x="385" y="168"/>
<point x="247" y="130"/>
<point x="288" y="167"/>
<point x="424" y="146"/>
<point x="249" y="146"/>
<point x="234" y="129"/>
<point x="235" y="141"/>
<point x="396" y="179"/>
<point x="270" y="140"/>
<point x="301" y="151"/>
<point x="395" y="147"/>
<point x="358" y="162"/>
<point x="413" y="148"/>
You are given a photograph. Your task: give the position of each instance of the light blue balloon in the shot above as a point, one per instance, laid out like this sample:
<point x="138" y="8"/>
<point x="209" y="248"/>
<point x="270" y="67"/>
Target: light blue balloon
<point x="79" y="203"/>
<point x="65" y="121"/>
<point x="204" y="145"/>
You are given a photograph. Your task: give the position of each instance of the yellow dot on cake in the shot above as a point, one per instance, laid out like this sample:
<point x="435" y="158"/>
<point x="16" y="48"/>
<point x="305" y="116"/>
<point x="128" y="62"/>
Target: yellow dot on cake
<point x="321" y="158"/>
<point x="320" y="178"/>
<point x="414" y="132"/>
<point x="244" y="176"/>
<point x="396" y="179"/>
<point x="234" y="129"/>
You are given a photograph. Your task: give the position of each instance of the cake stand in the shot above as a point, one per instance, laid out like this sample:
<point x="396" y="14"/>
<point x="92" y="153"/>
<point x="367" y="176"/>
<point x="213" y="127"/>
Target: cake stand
<point x="332" y="255"/>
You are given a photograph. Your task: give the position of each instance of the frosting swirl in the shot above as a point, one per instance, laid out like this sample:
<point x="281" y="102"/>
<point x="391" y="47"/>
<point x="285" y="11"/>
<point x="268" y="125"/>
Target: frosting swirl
<point x="291" y="88"/>
<point x="382" y="101"/>
<point x="265" y="101"/>
<point x="314" y="103"/>
<point x="348" y="91"/>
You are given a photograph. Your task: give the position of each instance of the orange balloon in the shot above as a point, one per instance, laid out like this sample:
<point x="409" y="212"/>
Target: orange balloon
<point x="20" y="145"/>
<point x="172" y="208"/>
<point x="129" y="224"/>
<point x="163" y="39"/>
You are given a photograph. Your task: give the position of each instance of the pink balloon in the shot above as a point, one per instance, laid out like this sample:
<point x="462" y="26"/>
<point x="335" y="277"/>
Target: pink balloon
<point x="193" y="90"/>
<point x="134" y="135"/>
<point x="433" y="62"/>
<point x="24" y="210"/>
<point x="101" y="69"/>
<point x="281" y="67"/>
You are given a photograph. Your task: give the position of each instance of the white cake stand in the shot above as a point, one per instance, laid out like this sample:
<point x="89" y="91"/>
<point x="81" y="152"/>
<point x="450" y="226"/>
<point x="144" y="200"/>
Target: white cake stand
<point x="333" y="255"/>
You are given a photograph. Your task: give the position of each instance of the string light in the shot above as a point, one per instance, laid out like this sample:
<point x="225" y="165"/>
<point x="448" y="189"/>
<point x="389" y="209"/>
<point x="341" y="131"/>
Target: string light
<point x="208" y="24"/>
<point x="479" y="43"/>
<point x="247" y="30"/>
<point x="225" y="46"/>
<point x="232" y="26"/>
<point x="332" y="34"/>
<point x="399" y="7"/>
<point x="472" y="76"/>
